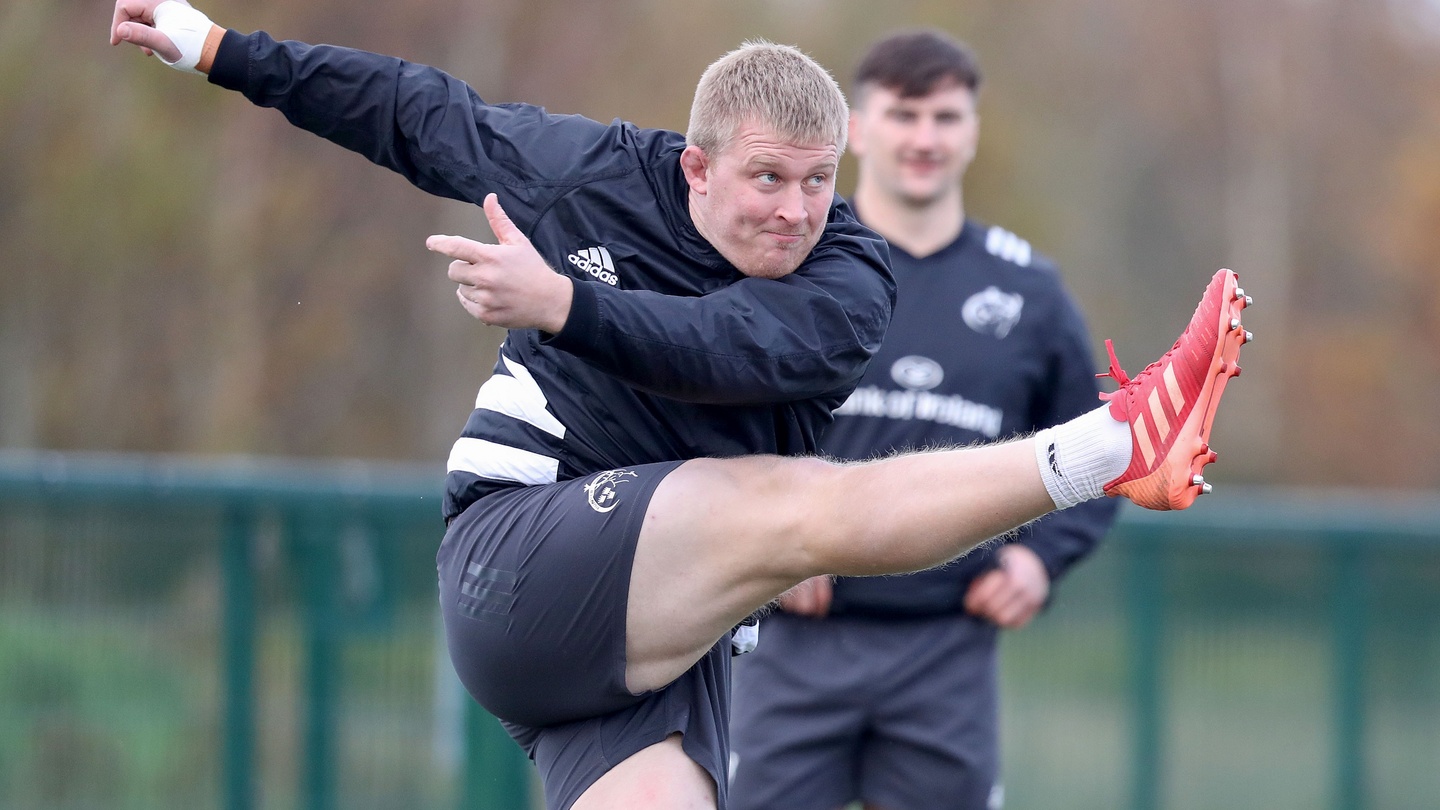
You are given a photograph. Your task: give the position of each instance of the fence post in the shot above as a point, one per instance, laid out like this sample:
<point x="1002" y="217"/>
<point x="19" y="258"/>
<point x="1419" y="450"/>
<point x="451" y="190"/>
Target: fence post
<point x="1146" y="591"/>
<point x="1350" y="572"/>
<point x="237" y="574"/>
<point x="314" y="539"/>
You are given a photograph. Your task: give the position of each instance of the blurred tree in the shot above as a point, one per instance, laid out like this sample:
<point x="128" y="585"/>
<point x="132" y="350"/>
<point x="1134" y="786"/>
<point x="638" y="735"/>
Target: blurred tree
<point x="182" y="272"/>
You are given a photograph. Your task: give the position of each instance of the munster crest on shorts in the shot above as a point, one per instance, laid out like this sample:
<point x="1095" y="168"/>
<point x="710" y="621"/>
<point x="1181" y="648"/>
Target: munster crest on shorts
<point x="603" y="489"/>
<point x="992" y="312"/>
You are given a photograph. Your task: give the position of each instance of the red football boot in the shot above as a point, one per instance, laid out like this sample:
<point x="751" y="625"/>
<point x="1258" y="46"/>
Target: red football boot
<point x="1171" y="404"/>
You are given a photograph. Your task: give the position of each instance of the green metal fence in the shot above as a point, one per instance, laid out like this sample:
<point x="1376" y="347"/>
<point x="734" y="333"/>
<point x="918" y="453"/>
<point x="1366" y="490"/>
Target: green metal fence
<point x="231" y="634"/>
<point x="1263" y="649"/>
<point x="244" y="634"/>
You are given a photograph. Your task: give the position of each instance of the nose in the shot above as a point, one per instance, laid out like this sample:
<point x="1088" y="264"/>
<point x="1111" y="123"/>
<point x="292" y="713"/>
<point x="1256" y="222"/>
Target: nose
<point x="790" y="207"/>
<point x="925" y="134"/>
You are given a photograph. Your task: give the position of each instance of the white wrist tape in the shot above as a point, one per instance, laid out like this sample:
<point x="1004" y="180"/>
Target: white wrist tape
<point x="185" y="27"/>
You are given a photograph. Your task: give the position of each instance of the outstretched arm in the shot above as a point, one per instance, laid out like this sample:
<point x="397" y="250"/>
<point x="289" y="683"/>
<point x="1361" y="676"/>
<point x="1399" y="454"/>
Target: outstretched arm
<point x="381" y="107"/>
<point x="413" y="119"/>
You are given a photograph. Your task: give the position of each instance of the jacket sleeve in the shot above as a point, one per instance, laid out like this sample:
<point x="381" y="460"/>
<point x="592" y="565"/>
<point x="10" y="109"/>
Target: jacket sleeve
<point x="755" y="341"/>
<point x="416" y="120"/>
<point x="1063" y="538"/>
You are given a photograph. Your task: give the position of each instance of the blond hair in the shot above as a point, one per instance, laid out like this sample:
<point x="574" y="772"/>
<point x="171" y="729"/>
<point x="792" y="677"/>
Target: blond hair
<point x="777" y="86"/>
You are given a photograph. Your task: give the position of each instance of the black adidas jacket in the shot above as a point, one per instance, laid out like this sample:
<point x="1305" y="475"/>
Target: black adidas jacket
<point x="669" y="352"/>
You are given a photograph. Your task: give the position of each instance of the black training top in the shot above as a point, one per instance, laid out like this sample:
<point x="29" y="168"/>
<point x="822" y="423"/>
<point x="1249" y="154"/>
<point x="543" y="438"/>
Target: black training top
<point x="985" y="344"/>
<point x="669" y="352"/>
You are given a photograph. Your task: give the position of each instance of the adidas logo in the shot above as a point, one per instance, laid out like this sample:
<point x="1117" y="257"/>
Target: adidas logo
<point x="1161" y="424"/>
<point x="596" y="262"/>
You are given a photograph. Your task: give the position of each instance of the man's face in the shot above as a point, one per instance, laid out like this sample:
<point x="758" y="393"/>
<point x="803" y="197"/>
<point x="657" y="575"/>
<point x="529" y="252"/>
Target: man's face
<point x="760" y="201"/>
<point x="915" y="149"/>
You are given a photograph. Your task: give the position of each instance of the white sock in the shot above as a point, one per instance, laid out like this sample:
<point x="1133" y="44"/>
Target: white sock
<point x="1077" y="459"/>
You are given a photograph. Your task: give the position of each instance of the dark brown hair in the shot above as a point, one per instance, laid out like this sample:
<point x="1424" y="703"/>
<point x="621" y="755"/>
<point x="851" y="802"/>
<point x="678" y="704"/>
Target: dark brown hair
<point x="915" y="62"/>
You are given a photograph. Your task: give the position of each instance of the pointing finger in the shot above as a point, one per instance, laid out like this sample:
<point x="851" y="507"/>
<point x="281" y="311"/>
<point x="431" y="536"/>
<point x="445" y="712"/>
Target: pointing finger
<point x="457" y="247"/>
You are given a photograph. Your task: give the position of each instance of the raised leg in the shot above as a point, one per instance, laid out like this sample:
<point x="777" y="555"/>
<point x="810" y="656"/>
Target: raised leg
<point x="723" y="537"/>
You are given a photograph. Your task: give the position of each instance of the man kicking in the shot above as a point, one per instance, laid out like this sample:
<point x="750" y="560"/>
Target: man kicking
<point x="684" y="314"/>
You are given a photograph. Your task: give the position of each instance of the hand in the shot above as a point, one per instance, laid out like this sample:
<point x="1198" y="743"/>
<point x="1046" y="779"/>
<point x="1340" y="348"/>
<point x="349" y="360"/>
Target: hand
<point x="810" y="598"/>
<point x="507" y="284"/>
<point x="134" y="22"/>
<point x="1012" y="594"/>
<point x="171" y="30"/>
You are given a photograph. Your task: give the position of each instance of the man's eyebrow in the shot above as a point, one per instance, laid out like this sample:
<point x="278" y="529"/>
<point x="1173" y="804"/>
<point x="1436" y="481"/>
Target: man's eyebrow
<point x="824" y="165"/>
<point x="767" y="162"/>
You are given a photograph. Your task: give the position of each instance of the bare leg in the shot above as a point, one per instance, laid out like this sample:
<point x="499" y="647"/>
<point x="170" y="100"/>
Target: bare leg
<point x="660" y="777"/>
<point x="723" y="537"/>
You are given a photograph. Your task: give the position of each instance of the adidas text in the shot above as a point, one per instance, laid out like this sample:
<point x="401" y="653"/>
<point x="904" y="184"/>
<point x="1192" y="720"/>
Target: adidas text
<point x="596" y="262"/>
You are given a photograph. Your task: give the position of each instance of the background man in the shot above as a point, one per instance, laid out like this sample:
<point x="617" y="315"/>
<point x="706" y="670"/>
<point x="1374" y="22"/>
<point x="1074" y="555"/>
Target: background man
<point x="603" y="538"/>
<point x="883" y="689"/>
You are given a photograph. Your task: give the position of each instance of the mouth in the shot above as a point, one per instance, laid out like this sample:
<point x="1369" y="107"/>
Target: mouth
<point x="786" y="239"/>
<point x="923" y="166"/>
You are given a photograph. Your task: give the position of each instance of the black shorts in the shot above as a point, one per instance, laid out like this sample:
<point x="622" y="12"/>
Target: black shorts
<point x="534" y="586"/>
<point x="901" y="714"/>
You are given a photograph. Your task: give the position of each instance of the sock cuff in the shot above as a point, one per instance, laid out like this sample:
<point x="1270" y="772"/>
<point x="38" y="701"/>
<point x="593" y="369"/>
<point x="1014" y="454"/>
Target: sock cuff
<point x="1079" y="457"/>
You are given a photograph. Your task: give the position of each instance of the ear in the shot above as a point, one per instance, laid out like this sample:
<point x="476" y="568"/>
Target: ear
<point x="974" y="146"/>
<point x="696" y="165"/>
<point x="855" y="141"/>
